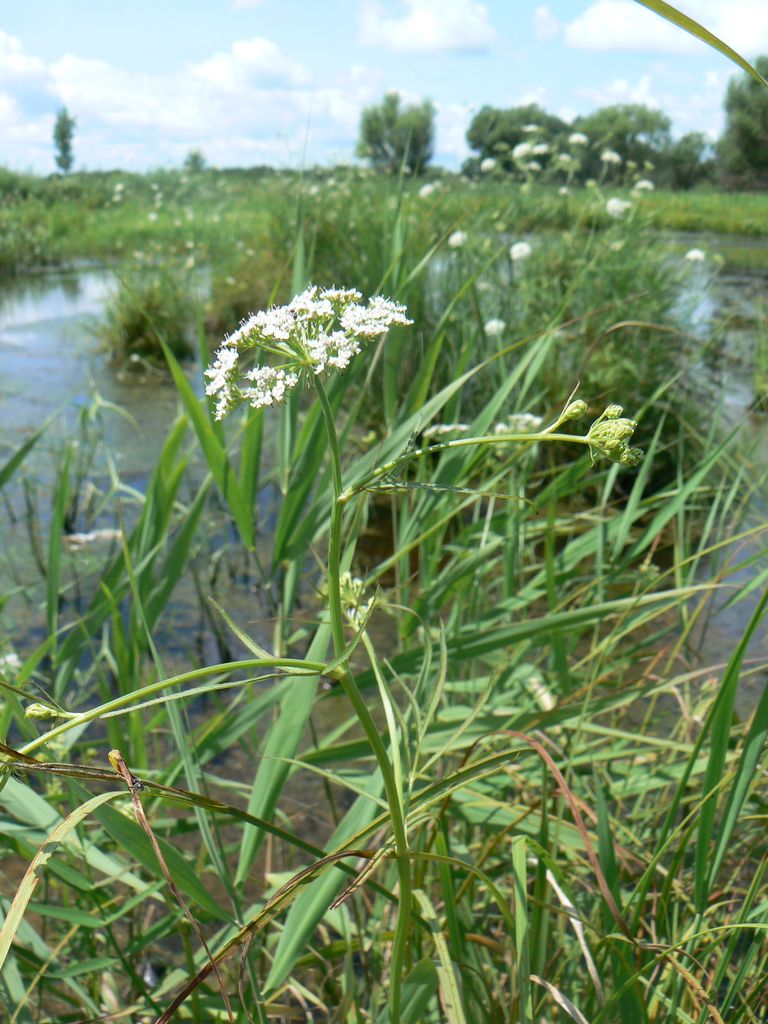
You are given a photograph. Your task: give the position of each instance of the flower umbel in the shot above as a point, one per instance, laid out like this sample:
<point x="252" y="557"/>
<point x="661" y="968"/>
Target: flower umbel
<point x="316" y="331"/>
<point x="609" y="435"/>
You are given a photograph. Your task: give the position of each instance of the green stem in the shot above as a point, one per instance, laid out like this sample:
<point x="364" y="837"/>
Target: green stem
<point x="348" y="684"/>
<point x="461" y="442"/>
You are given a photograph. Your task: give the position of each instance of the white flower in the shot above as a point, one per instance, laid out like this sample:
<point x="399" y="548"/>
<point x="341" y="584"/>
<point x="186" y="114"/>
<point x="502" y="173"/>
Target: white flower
<point x="610" y="156"/>
<point x="530" y="128"/>
<point x="520" y="251"/>
<point x="487" y="164"/>
<point x="565" y="159"/>
<point x="519" y="423"/>
<point x="426" y="190"/>
<point x="564" y="190"/>
<point x="10" y="662"/>
<point x="438" y="429"/>
<point x="533" y="165"/>
<point x="578" y="139"/>
<point x="540" y="149"/>
<point x="457" y="239"/>
<point x="316" y="331"/>
<point x="119" y="186"/>
<point x="269" y="385"/>
<point x="695" y="256"/>
<point x="616" y="207"/>
<point x="644" y="185"/>
<point x="152" y="216"/>
<point x="522" y="150"/>
<point x="494" y="328"/>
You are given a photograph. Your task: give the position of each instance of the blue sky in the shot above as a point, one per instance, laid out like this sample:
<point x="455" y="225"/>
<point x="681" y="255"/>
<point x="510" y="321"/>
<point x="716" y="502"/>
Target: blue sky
<point x="283" y="81"/>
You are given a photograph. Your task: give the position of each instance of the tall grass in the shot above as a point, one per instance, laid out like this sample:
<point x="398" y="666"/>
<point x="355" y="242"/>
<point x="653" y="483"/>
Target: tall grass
<point x="506" y="790"/>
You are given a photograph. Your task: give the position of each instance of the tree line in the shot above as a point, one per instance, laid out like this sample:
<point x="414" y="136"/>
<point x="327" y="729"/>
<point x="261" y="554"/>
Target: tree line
<point x="607" y="143"/>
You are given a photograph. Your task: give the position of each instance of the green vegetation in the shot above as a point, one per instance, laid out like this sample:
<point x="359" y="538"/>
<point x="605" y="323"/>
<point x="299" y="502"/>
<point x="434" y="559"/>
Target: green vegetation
<point x="397" y="139"/>
<point x="241" y="217"/>
<point x="460" y="759"/>
<point x="63" y="133"/>
<point x="744" y="144"/>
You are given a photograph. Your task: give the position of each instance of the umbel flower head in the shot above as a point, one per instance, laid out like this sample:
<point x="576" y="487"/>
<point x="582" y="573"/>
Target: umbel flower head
<point x="609" y="435"/>
<point x="316" y="331"/>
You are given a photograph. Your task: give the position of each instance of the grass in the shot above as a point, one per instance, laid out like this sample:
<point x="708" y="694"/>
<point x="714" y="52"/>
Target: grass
<point x="534" y="800"/>
<point x="221" y="215"/>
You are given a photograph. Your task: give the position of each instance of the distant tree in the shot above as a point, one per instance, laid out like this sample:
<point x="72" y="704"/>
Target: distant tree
<point x="495" y="132"/>
<point x="686" y="162"/>
<point x="194" y="162"/>
<point x="63" y="132"/>
<point x="743" y="149"/>
<point x="639" y="134"/>
<point x="393" y="137"/>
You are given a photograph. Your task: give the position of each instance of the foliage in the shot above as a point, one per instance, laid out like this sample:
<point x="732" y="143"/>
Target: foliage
<point x="494" y="132"/>
<point x="63" y="133"/>
<point x="516" y="673"/>
<point x="686" y="162"/>
<point x="639" y="134"/>
<point x="194" y="161"/>
<point x="743" y="148"/>
<point x="394" y="137"/>
<point x="150" y="303"/>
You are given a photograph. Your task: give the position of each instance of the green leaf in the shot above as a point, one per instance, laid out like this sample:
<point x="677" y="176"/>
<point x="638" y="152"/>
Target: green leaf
<point x="670" y="13"/>
<point x="34" y="872"/>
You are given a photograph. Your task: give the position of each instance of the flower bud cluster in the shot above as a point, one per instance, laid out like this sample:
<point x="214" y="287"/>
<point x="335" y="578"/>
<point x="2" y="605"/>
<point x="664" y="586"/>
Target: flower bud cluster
<point x="316" y="331"/>
<point x="356" y="606"/>
<point x="609" y="435"/>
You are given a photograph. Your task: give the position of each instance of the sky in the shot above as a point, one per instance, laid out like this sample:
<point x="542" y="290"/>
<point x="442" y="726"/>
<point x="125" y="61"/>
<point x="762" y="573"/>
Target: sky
<point x="283" y="82"/>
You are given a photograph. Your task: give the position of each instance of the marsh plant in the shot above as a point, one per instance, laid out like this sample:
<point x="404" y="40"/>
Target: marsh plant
<point x="152" y="301"/>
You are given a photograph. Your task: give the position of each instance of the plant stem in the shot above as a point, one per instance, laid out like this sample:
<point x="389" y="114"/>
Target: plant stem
<point x="348" y="684"/>
<point x="461" y="442"/>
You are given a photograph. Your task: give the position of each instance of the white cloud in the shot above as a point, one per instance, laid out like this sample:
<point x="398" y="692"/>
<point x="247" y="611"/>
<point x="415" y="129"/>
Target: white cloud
<point x="249" y="105"/>
<point x="14" y="62"/>
<point x="427" y="25"/>
<point x="693" y="104"/>
<point x="251" y="61"/>
<point x="626" y="25"/>
<point x="545" y="25"/>
<point x="451" y="123"/>
<point x="619" y="90"/>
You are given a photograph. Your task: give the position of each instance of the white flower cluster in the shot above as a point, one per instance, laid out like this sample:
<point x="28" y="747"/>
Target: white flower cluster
<point x="317" y="330"/>
<point x="356" y="606"/>
<point x="440" y="429"/>
<point x="610" y="156"/>
<point x="493" y="328"/>
<point x="616" y="207"/>
<point x="519" y="423"/>
<point x="695" y="256"/>
<point x="520" y="251"/>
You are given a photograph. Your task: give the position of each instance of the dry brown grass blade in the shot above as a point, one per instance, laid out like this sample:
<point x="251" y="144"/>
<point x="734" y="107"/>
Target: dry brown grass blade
<point x="134" y="788"/>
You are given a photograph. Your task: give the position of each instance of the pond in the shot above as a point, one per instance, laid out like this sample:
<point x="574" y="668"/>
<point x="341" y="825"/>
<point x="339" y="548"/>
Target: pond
<point x="51" y="362"/>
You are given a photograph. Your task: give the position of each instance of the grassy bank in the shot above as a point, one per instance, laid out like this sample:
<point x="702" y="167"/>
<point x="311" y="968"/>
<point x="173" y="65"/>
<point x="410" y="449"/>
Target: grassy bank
<point x="466" y="762"/>
<point x="212" y="216"/>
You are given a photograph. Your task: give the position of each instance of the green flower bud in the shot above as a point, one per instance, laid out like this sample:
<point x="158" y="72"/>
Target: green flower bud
<point x="612" y="412"/>
<point x="44" y="711"/>
<point x="574" y="410"/>
<point x="632" y="457"/>
<point x="605" y="433"/>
